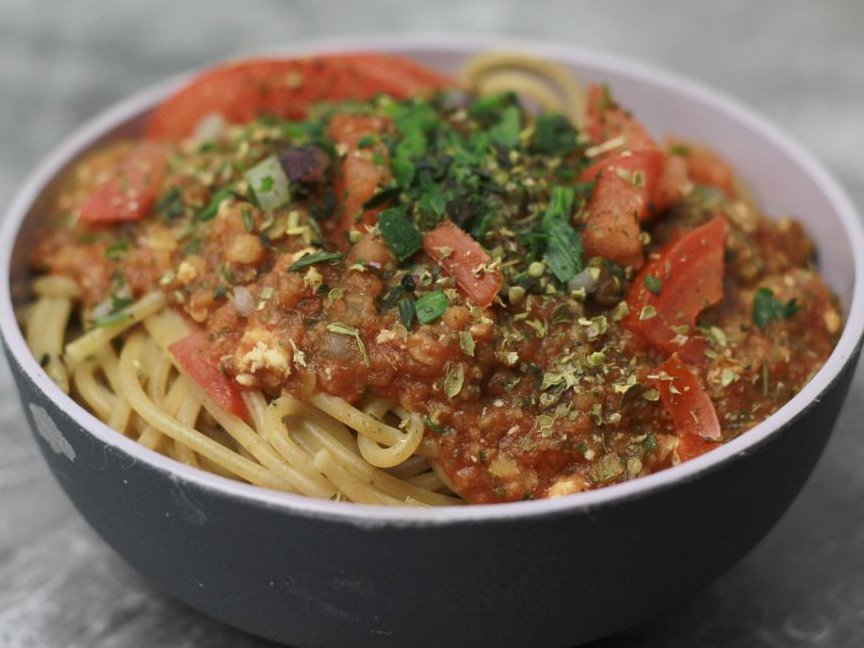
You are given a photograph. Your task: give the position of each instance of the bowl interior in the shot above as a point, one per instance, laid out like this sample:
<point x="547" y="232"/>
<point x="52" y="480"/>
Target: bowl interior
<point x="785" y="180"/>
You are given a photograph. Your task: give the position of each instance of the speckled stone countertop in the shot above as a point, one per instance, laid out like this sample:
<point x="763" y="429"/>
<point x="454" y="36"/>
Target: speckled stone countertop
<point x="800" y="63"/>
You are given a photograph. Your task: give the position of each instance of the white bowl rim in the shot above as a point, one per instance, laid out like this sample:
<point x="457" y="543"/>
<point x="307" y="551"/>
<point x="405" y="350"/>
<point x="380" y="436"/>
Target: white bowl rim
<point x="370" y="516"/>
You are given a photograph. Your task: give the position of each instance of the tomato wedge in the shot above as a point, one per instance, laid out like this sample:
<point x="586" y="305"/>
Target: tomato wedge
<point x="691" y="409"/>
<point x="286" y="88"/>
<point x="130" y="193"/>
<point x="705" y="167"/>
<point x="642" y="174"/>
<point x="622" y="190"/>
<point x="195" y="354"/>
<point x="606" y="120"/>
<point x="675" y="286"/>
<point x="465" y="260"/>
<point x="360" y="175"/>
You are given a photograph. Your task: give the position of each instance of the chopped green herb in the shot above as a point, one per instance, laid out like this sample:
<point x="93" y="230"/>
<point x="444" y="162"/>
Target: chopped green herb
<point x="407" y="312"/>
<point x="650" y="443"/>
<point x="113" y="318"/>
<point x="399" y="233"/>
<point x="118" y="303"/>
<point x="432" y="425"/>
<point x="392" y="297"/>
<point x="220" y="291"/>
<point x="679" y="148"/>
<point x="171" y="204"/>
<point x="767" y="308"/>
<point x="648" y="312"/>
<point x="115" y="250"/>
<point x="653" y="284"/>
<point x="454" y="380"/>
<point x="506" y="132"/>
<point x="366" y="141"/>
<point x="466" y="343"/>
<point x="431" y="306"/>
<point x="344" y="329"/>
<point x="564" y="244"/>
<point x="216" y="200"/>
<point x="487" y="107"/>
<point x="553" y="135"/>
<point x="312" y="259"/>
<point x="248" y="220"/>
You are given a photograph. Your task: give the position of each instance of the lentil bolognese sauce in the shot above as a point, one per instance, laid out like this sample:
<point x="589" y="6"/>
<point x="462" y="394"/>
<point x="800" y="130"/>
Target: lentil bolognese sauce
<point x="353" y="277"/>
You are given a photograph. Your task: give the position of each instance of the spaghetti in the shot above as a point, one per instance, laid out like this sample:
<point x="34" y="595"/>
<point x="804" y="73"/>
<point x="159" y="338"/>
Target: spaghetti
<point x="417" y="297"/>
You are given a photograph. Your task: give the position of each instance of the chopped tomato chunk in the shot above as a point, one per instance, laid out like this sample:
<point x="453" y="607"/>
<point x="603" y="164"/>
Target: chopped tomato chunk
<point x="705" y="167"/>
<point x="360" y="174"/>
<point x="287" y="88"/>
<point x="607" y="120"/>
<point x="642" y="170"/>
<point x="130" y="193"/>
<point x="691" y="409"/>
<point x="195" y="354"/>
<point x="465" y="260"/>
<point x="675" y="286"/>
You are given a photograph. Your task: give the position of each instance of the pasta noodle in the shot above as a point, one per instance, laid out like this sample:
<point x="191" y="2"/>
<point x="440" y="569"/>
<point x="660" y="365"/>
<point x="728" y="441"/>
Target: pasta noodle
<point x="290" y="445"/>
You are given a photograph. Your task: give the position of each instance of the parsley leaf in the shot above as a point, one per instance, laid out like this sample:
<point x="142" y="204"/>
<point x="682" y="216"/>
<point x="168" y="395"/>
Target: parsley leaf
<point x="553" y="135"/>
<point x="399" y="233"/>
<point x="766" y="307"/>
<point x="431" y="306"/>
<point x="563" y="252"/>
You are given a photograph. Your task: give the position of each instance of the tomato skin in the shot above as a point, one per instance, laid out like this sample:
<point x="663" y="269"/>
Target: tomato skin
<point x="690" y="275"/>
<point x="705" y="167"/>
<point x="195" y="354"/>
<point x="464" y="257"/>
<point x="286" y="88"/>
<point x="691" y="409"/>
<point x="358" y="177"/>
<point x="131" y="193"/>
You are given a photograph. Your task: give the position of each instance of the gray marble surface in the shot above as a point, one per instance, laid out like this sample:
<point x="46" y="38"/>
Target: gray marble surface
<point x="800" y="63"/>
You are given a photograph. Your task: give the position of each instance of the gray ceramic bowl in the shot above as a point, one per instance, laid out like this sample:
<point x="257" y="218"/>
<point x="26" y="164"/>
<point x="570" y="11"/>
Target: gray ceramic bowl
<point x="550" y="573"/>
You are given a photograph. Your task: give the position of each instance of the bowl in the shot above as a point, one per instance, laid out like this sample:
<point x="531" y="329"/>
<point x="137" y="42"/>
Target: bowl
<point x="544" y="573"/>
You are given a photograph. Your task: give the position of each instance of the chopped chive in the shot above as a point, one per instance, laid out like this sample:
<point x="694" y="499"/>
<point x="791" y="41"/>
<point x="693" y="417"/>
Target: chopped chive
<point x="213" y="207"/>
<point x="248" y="220"/>
<point x="431" y="306"/>
<point x="312" y="259"/>
<point x="407" y="312"/>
